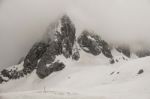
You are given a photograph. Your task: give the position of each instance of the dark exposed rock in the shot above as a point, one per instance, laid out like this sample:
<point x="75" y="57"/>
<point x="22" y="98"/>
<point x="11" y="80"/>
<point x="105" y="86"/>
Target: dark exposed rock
<point x="48" y="57"/>
<point x="66" y="48"/>
<point x="42" y="73"/>
<point x="112" y="61"/>
<point x="112" y="73"/>
<point x="57" y="66"/>
<point x="140" y="71"/>
<point x="76" y="54"/>
<point x="6" y="73"/>
<point x="90" y="43"/>
<point x="67" y="35"/>
<point x="33" y="56"/>
<point x="50" y="68"/>
<point x="125" y="50"/>
<point x="93" y="44"/>
<point x="143" y="53"/>
<point x="62" y="44"/>
<point x="1" y="80"/>
<point x="123" y="58"/>
<point x="106" y="49"/>
<point x="12" y="74"/>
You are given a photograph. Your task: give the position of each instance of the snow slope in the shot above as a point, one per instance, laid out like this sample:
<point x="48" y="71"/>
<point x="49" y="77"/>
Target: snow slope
<point x="92" y="77"/>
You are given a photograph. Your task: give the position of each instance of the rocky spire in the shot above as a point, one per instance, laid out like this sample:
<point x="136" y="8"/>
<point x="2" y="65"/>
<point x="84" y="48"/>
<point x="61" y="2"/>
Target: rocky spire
<point x="42" y="57"/>
<point x="64" y="38"/>
<point x="92" y="43"/>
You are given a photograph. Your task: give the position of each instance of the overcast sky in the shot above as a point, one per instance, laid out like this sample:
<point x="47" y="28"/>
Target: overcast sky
<point x="23" y="22"/>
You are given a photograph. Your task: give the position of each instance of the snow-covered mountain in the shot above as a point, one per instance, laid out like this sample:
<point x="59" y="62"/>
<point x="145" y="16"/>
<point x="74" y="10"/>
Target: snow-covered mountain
<point x="67" y="65"/>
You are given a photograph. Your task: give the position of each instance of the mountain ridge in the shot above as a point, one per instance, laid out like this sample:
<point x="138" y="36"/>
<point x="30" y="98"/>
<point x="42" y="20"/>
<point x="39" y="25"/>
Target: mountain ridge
<point x="42" y="57"/>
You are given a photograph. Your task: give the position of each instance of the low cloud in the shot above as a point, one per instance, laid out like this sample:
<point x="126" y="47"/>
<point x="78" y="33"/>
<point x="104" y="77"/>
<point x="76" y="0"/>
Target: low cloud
<point x="23" y="22"/>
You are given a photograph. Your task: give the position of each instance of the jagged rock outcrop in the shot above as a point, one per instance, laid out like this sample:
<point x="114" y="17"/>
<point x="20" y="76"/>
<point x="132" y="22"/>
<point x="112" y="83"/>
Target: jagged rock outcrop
<point x="29" y="64"/>
<point x="57" y="66"/>
<point x="62" y="44"/>
<point x="33" y="56"/>
<point x="143" y="53"/>
<point x="67" y="35"/>
<point x="50" y="68"/>
<point x="75" y="52"/>
<point x="112" y="61"/>
<point x="47" y="58"/>
<point x="90" y="42"/>
<point x="93" y="44"/>
<point x="10" y="74"/>
<point x="76" y="55"/>
<point x="106" y="49"/>
<point x="6" y="73"/>
<point x="140" y="71"/>
<point x="1" y="80"/>
<point x="124" y="49"/>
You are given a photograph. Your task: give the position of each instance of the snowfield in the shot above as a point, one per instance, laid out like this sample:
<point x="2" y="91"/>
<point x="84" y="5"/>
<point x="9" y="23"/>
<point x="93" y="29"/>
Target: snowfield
<point x="92" y="77"/>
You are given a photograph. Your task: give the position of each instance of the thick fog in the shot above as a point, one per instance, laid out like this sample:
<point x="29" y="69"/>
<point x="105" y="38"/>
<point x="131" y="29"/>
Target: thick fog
<point x="23" y="22"/>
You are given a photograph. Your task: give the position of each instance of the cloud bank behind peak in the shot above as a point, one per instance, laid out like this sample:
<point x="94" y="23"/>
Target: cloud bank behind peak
<point x="23" y="22"/>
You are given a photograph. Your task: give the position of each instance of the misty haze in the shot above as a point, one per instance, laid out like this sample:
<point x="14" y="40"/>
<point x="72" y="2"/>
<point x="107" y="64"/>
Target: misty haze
<point x="69" y="49"/>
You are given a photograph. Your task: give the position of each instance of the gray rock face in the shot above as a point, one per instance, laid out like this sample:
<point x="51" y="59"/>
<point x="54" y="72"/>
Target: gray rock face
<point x="143" y="53"/>
<point x="112" y="61"/>
<point x="125" y="50"/>
<point x="106" y="49"/>
<point x="36" y="52"/>
<point x="67" y="35"/>
<point x="57" y="66"/>
<point x="10" y="74"/>
<point x="62" y="44"/>
<point x="90" y="43"/>
<point x="47" y="58"/>
<point x="93" y="44"/>
<point x="50" y="68"/>
<point x="76" y="54"/>
<point x="1" y="80"/>
<point x="6" y="73"/>
<point x="140" y="71"/>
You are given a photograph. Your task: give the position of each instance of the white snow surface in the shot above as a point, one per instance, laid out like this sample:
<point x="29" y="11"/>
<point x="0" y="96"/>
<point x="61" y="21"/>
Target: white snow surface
<point x="92" y="77"/>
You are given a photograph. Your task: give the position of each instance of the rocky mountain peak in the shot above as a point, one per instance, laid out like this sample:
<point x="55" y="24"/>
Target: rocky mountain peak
<point x="64" y="38"/>
<point x="92" y="43"/>
<point x="42" y="57"/>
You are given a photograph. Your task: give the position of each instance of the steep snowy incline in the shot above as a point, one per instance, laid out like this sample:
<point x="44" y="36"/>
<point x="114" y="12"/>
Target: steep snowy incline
<point x="118" y="80"/>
